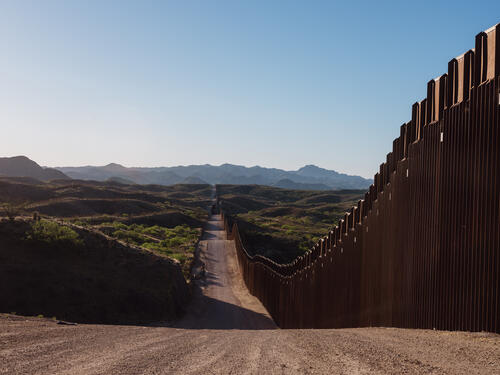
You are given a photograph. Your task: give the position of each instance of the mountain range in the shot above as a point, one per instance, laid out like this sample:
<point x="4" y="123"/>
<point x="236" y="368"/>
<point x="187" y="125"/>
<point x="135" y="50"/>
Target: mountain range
<point x="309" y="177"/>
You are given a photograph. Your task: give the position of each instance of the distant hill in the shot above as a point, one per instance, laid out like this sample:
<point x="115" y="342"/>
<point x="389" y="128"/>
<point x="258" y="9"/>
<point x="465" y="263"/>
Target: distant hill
<point x="328" y="177"/>
<point x="143" y="176"/>
<point x="120" y="180"/>
<point x="309" y="177"/>
<point x="192" y="180"/>
<point x="289" y="184"/>
<point x="282" y="224"/>
<point x="21" y="166"/>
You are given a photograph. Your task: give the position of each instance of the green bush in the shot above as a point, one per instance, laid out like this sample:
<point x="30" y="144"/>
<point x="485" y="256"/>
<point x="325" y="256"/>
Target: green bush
<point x="53" y="233"/>
<point x="129" y="236"/>
<point x="177" y="242"/>
<point x="154" y="231"/>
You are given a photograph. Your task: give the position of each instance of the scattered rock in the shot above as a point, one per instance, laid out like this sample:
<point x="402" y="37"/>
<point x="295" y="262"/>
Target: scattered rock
<point x="62" y="322"/>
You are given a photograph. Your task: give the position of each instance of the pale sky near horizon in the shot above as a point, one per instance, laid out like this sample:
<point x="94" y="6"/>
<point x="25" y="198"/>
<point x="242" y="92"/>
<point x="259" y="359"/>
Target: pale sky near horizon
<point x="272" y="83"/>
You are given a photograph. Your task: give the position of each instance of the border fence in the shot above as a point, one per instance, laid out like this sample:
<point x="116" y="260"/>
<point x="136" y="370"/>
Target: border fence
<point x="422" y="249"/>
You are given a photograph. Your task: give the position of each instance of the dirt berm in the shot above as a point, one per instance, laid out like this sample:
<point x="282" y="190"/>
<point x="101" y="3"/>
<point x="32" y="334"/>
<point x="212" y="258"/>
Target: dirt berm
<point x="101" y="281"/>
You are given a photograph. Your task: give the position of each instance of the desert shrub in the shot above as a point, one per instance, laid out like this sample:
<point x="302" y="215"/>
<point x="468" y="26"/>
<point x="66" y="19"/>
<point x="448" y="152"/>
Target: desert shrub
<point x="177" y="242"/>
<point x="53" y="233"/>
<point x="118" y="225"/>
<point x="174" y="242"/>
<point x="80" y="223"/>
<point x="129" y="236"/>
<point x="157" y="246"/>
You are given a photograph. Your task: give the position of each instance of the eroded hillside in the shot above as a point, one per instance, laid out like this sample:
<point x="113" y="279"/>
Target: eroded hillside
<point x="52" y="270"/>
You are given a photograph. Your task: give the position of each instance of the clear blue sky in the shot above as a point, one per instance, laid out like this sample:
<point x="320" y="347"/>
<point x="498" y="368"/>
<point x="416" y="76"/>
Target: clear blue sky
<point x="271" y="83"/>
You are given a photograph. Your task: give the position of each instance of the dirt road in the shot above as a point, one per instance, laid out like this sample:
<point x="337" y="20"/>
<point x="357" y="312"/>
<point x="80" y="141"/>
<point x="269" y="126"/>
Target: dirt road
<point x="228" y="331"/>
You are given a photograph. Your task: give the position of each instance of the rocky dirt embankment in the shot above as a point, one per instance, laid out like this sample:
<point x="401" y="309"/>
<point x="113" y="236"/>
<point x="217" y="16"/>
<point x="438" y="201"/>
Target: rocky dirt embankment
<point x="96" y="280"/>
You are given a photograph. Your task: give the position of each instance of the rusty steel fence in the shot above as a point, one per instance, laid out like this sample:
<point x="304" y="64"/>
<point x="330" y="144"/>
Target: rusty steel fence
<point x="421" y="250"/>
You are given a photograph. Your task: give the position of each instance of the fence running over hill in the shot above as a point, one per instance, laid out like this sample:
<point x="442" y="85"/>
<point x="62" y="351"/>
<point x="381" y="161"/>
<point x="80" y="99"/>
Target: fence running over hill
<point x="422" y="249"/>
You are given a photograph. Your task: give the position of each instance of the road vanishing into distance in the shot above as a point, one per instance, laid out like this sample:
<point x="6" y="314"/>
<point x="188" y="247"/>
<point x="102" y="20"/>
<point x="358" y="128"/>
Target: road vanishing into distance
<point x="228" y="331"/>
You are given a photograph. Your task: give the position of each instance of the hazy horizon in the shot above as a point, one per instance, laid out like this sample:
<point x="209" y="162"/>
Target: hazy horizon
<point x="188" y="165"/>
<point x="182" y="165"/>
<point x="269" y="84"/>
<point x="209" y="164"/>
